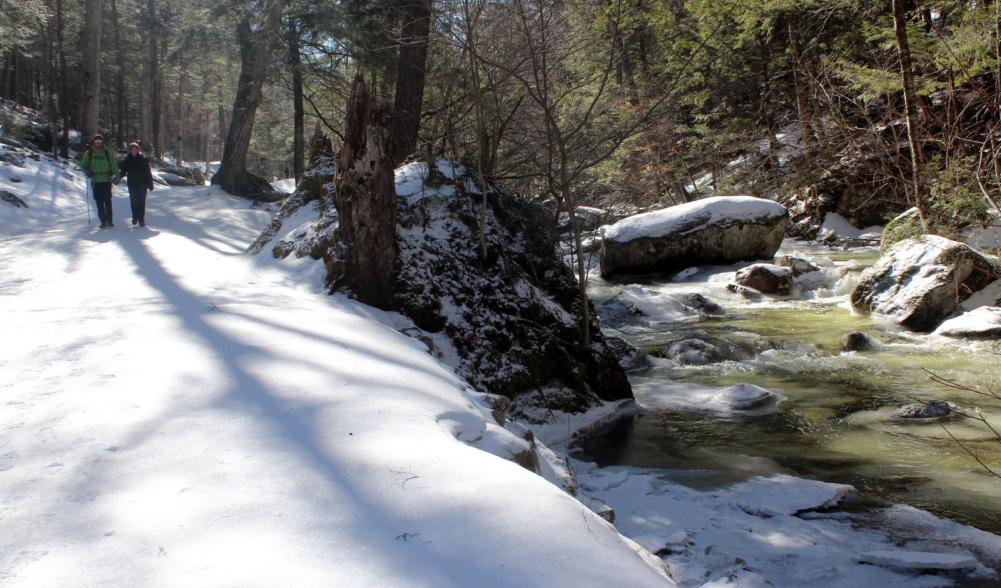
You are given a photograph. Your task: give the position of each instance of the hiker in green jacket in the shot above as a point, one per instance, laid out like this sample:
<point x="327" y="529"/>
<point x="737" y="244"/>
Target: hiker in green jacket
<point x="101" y="167"/>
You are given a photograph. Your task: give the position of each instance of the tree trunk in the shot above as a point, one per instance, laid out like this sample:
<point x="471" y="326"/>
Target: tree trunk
<point x="256" y="36"/>
<point x="63" y="86"/>
<point x="907" y="77"/>
<point x="91" y="69"/>
<point x="120" y="102"/>
<point x="155" y="80"/>
<point x="298" y="133"/>
<point x="802" y="108"/>
<point x="182" y="83"/>
<point x="410" y="70"/>
<point x="366" y="200"/>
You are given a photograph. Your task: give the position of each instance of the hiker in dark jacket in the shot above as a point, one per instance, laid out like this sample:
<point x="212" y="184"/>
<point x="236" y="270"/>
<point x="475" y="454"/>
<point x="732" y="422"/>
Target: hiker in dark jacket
<point x="101" y="167"/>
<point x="135" y="166"/>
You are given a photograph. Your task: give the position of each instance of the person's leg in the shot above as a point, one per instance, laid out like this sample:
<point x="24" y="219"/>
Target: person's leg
<point x="142" y="206"/>
<point x="102" y="192"/>
<point x="102" y="213"/>
<point x="134" y="201"/>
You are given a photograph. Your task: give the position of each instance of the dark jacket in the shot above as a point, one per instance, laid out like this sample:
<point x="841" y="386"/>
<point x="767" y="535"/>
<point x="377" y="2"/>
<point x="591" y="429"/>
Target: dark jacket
<point x="136" y="168"/>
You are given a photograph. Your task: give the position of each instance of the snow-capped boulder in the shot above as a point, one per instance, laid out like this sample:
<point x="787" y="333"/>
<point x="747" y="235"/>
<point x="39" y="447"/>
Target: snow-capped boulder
<point x="980" y="323"/>
<point x="171" y="179"/>
<point x="798" y="265"/>
<point x="721" y="229"/>
<point x="639" y="305"/>
<point x="588" y="218"/>
<point x="920" y="281"/>
<point x="766" y="278"/>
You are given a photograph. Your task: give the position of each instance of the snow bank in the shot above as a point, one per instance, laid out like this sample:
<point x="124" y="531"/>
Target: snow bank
<point x="765" y="531"/>
<point x="693" y="216"/>
<point x="176" y="413"/>
<point x="981" y="323"/>
<point x="839" y="225"/>
<point x="286" y="186"/>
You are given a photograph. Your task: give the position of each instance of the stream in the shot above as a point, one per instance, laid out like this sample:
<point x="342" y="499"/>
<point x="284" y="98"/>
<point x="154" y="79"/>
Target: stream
<point x="833" y="422"/>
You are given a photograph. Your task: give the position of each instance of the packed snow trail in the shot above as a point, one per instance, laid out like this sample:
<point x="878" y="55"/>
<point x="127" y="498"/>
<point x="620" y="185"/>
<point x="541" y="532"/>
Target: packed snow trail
<point x="176" y="413"/>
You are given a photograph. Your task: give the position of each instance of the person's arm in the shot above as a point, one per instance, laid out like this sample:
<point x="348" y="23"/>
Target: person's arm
<point x="149" y="174"/>
<point x="85" y="163"/>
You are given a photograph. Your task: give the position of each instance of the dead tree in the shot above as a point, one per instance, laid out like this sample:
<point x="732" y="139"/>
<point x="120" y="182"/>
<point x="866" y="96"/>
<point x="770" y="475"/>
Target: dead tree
<point x="366" y="200"/>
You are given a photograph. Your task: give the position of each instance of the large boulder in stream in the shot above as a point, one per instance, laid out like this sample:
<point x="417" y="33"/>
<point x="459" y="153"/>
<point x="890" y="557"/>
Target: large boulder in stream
<point x="717" y="230"/>
<point x="920" y="281"/>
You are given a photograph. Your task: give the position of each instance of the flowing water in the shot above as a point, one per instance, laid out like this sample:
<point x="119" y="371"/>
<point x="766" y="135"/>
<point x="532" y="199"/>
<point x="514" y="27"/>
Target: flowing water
<point x="834" y="423"/>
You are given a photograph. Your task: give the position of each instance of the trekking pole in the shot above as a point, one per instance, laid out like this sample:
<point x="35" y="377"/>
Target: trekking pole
<point x="87" y="198"/>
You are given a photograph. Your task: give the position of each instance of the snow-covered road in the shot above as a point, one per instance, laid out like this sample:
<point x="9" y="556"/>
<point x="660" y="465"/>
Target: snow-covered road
<point x="173" y="412"/>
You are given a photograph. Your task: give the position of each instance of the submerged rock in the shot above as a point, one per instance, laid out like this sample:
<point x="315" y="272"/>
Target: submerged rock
<point x="745" y="397"/>
<point x="933" y="409"/>
<point x="766" y="278"/>
<point x="979" y="323"/>
<point x="920" y="281"/>
<point x="717" y="230"/>
<point x="857" y="341"/>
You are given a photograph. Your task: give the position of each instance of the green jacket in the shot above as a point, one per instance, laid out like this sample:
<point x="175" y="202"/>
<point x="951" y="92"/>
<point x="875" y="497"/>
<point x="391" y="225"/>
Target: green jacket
<point x="102" y="164"/>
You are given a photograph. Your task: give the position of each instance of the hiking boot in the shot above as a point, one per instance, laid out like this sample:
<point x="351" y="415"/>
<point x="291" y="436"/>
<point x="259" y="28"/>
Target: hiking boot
<point x="142" y="223"/>
<point x="135" y="222"/>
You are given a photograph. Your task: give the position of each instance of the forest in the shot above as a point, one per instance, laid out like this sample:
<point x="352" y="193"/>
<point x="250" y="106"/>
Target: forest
<point x="893" y="103"/>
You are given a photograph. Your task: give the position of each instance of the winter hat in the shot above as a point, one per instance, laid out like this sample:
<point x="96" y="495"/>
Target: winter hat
<point x="136" y="145"/>
<point x="98" y="138"/>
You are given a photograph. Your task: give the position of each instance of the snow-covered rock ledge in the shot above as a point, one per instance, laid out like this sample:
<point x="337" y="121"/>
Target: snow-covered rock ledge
<point x="717" y="230"/>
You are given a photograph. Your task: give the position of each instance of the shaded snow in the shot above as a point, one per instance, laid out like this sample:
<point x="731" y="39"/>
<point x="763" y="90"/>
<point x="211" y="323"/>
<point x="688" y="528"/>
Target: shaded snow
<point x="286" y="186"/>
<point x="693" y="216"/>
<point x="839" y="225"/>
<point x="176" y="413"/>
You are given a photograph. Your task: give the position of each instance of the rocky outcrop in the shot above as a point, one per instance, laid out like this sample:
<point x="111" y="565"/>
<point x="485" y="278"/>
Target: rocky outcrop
<point x="920" y="281"/>
<point x="694" y="352"/>
<point x="766" y="278"/>
<point x="722" y="229"/>
<point x="512" y="316"/>
<point x="12" y="199"/>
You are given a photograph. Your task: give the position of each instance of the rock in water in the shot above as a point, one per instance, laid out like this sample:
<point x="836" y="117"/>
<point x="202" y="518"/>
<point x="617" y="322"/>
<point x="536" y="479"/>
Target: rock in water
<point x="856" y="341"/>
<point x="920" y="281"/>
<point x="979" y="323"/>
<point x="721" y="229"/>
<point x="694" y="352"/>
<point x="511" y="316"/>
<point x="766" y="278"/>
<point x="933" y="409"/>
<point x="798" y="265"/>
<point x="745" y="397"/>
